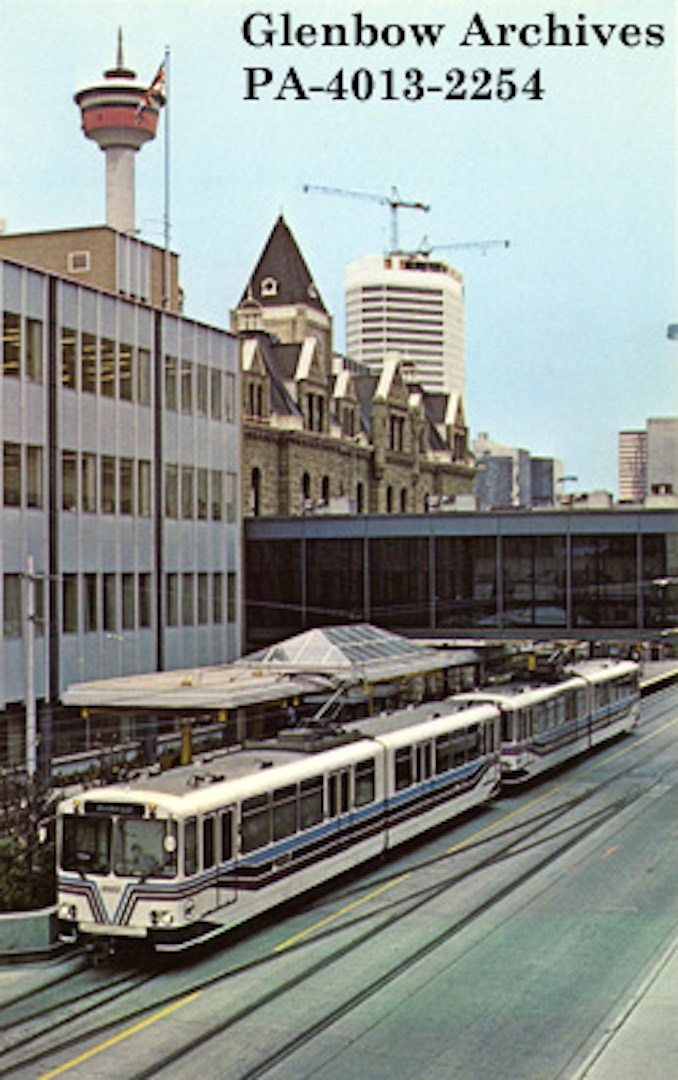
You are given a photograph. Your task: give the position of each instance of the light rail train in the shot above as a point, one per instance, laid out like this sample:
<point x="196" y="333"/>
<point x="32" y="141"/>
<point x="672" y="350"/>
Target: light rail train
<point x="181" y="856"/>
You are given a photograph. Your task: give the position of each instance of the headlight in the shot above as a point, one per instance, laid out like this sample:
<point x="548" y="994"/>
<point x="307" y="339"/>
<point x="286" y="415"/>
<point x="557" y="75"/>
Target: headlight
<point x="68" y="911"/>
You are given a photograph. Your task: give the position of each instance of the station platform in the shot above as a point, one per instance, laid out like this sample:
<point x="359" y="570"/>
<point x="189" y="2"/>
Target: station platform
<point x="642" y="1041"/>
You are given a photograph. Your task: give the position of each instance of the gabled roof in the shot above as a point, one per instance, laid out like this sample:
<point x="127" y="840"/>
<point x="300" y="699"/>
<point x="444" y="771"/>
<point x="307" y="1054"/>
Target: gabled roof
<point x="281" y="276"/>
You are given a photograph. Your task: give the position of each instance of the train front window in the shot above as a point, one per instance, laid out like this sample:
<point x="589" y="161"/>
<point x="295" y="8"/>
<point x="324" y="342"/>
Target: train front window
<point x="145" y="848"/>
<point x="86" y="844"/>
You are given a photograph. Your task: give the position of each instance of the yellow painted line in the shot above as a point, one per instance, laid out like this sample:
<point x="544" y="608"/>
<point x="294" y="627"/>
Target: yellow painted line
<point x="507" y="817"/>
<point x="638" y="741"/>
<point x="119" y="1038"/>
<point x="464" y="843"/>
<point x="343" y="911"/>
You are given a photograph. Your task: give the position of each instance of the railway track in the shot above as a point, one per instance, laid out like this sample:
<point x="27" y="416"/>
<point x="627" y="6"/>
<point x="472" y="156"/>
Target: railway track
<point x="523" y="846"/>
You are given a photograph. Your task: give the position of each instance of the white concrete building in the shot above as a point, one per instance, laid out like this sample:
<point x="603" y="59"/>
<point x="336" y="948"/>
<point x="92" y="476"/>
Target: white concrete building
<point x="410" y="305"/>
<point x="120" y="463"/>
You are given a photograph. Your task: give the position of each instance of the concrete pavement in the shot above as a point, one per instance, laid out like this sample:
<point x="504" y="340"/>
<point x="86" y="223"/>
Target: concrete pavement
<point x="641" y="1042"/>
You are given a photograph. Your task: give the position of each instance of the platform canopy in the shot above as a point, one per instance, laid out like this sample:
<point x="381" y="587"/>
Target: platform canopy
<point x="315" y="662"/>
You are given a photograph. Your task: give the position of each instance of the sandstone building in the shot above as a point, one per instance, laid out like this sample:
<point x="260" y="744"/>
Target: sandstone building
<point x="323" y="433"/>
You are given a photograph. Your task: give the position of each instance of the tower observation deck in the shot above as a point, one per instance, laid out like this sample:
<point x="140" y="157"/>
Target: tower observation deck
<point x="120" y="115"/>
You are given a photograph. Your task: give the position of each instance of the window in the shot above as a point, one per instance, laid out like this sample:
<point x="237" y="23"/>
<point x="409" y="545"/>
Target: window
<point x="128" y="599"/>
<point x="172" y="600"/>
<point x="218" y="599"/>
<point x="188" y="599"/>
<point x="69" y="603"/>
<point x="203" y="599"/>
<point x="144" y="488"/>
<point x="12" y="608"/>
<point x="255" y="492"/>
<point x="403" y="768"/>
<point x="364" y="783"/>
<point x="256" y="823"/>
<point x="90" y="609"/>
<point x="88" y="361"/>
<point x="231" y="496"/>
<point x="86" y="844"/>
<point x="145" y="601"/>
<point x="203" y="493"/>
<point x="208" y="845"/>
<point x="107" y="367"/>
<point x="310" y="802"/>
<point x="171" y="491"/>
<point x="284" y="812"/>
<point x="12" y="474"/>
<point x="69" y="357"/>
<point x="171" y="386"/>
<point x="110" y="603"/>
<point x="126" y="371"/>
<point x="187" y="510"/>
<point x="226" y="835"/>
<point x="69" y="480"/>
<point x="190" y="847"/>
<point x="143" y="377"/>
<point x="34" y="350"/>
<point x="108" y="492"/>
<point x="230" y="396"/>
<point x="11" y="342"/>
<point x="215" y="394"/>
<point x="231" y="599"/>
<point x="34" y="488"/>
<point x="186" y="387"/>
<point x="126" y="486"/>
<point x="78" y="262"/>
<point x="89" y="483"/>
<point x="217" y="495"/>
<point x="202" y="389"/>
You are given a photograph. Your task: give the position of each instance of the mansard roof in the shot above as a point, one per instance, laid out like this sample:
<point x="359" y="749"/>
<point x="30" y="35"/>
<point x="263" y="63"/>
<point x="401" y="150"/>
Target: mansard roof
<point x="281" y="276"/>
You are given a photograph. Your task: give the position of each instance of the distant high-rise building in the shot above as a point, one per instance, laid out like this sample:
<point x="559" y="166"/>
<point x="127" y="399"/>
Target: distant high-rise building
<point x="511" y="476"/>
<point x="662" y="456"/>
<point x="411" y="306"/>
<point x="648" y="460"/>
<point x="632" y="466"/>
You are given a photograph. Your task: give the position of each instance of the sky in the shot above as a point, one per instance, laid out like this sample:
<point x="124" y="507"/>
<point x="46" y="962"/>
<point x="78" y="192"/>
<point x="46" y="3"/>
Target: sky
<point x="565" y="330"/>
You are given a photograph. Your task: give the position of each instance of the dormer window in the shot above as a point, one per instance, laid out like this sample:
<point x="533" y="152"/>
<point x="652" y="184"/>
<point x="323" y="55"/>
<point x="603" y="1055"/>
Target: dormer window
<point x="269" y="287"/>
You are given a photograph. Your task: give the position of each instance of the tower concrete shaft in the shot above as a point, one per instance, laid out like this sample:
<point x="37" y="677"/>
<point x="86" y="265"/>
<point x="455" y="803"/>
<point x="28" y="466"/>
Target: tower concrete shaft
<point x="120" y="116"/>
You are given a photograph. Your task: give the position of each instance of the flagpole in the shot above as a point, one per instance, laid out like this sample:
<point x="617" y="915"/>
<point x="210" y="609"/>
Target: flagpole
<point x="167" y="291"/>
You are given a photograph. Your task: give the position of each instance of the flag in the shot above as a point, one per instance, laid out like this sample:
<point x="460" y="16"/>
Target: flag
<point x="156" y="94"/>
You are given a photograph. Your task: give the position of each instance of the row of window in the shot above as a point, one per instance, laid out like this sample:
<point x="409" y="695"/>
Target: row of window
<point x="191" y="598"/>
<point x="22" y="347"/>
<point x="115" y="602"/>
<point x="195" y="388"/>
<point x="199" y="493"/>
<point x="94" y="364"/>
<point x="102" y="483"/>
<point x="283" y="812"/>
<point x="113" y="369"/>
<point x="23" y="472"/>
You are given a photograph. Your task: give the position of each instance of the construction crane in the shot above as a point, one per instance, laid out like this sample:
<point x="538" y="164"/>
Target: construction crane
<point x="425" y="248"/>
<point x="393" y="201"/>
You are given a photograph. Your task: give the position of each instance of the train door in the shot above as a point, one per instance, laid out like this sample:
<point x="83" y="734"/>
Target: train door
<point x="226" y="892"/>
<point x="339" y="794"/>
<point x="423" y="763"/>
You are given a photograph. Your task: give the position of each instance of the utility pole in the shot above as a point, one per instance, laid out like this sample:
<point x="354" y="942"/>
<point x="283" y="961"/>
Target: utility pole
<point x="29" y="646"/>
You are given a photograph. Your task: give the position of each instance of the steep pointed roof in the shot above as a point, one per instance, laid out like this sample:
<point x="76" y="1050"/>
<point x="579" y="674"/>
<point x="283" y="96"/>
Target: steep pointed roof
<point x="281" y="276"/>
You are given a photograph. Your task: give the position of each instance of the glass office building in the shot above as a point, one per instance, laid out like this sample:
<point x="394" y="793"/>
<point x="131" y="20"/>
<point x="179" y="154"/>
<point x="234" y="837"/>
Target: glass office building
<point x="554" y="574"/>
